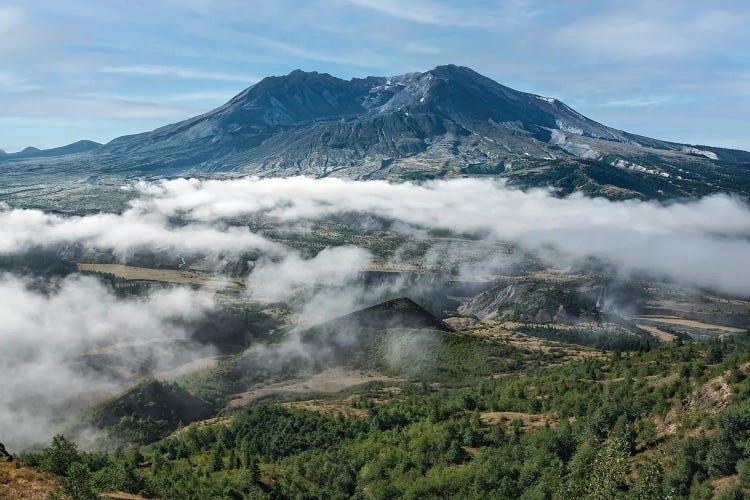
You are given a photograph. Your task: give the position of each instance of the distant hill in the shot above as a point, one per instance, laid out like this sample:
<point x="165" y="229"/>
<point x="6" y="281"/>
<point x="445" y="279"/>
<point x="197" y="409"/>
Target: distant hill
<point x="348" y="340"/>
<point x="397" y="313"/>
<point x="70" y="149"/>
<point x="161" y="406"/>
<point x="448" y="121"/>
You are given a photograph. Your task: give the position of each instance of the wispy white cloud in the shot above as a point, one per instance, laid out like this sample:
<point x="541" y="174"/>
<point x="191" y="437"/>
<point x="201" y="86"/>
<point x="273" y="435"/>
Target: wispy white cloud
<point x="647" y="32"/>
<point x="431" y="12"/>
<point x="10" y="18"/>
<point x="34" y="105"/>
<point x="366" y="59"/>
<point x="636" y="102"/>
<point x="10" y="82"/>
<point x="178" y="72"/>
<point x="18" y="32"/>
<point x="218" y="95"/>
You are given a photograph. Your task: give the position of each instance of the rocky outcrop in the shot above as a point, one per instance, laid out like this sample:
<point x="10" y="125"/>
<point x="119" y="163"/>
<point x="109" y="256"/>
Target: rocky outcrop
<point x="4" y="455"/>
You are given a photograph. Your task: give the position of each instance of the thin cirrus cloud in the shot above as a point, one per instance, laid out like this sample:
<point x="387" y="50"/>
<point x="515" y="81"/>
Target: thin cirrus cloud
<point x="219" y="95"/>
<point x="10" y="82"/>
<point x="637" y="34"/>
<point x="178" y="72"/>
<point x="10" y="17"/>
<point x="34" y="105"/>
<point x="635" y="102"/>
<point x="19" y="32"/>
<point x="363" y="58"/>
<point x="431" y="13"/>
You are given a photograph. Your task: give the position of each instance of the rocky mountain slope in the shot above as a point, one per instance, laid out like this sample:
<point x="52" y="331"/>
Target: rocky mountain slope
<point x="445" y="122"/>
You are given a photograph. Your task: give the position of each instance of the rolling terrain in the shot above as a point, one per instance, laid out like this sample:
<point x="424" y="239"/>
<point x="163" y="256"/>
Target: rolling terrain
<point x="446" y="380"/>
<point x="204" y="339"/>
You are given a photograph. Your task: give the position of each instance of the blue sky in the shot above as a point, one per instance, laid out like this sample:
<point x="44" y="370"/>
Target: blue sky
<point x="74" y="69"/>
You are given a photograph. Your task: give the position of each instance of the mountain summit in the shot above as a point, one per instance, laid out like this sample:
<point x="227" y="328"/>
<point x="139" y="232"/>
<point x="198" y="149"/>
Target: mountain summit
<point x="444" y="122"/>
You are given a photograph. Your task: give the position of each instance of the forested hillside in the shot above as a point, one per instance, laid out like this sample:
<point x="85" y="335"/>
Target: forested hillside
<point x="550" y="421"/>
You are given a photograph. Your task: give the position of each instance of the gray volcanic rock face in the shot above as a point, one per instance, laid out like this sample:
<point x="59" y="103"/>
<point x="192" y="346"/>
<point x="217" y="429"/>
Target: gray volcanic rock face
<point x="445" y="122"/>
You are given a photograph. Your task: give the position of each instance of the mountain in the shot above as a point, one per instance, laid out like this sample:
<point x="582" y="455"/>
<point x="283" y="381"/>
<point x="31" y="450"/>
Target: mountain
<point x="449" y="121"/>
<point x="70" y="149"/>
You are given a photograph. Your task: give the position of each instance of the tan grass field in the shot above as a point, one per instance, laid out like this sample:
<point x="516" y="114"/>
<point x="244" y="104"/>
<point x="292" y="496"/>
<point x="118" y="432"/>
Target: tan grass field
<point x="654" y="331"/>
<point x="326" y="407"/>
<point x="188" y="277"/>
<point x="327" y="382"/>
<point x="530" y="420"/>
<point x="504" y="332"/>
<point x="188" y="368"/>
<point x="23" y="483"/>
<point x="675" y="320"/>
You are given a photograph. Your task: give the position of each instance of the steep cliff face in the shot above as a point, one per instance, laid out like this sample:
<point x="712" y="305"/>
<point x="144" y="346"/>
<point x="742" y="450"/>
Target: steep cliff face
<point x="536" y="302"/>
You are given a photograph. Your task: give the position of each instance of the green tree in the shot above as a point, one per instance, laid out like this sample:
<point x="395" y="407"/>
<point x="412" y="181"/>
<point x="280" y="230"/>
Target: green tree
<point x="60" y="456"/>
<point x="455" y="454"/>
<point x="217" y="458"/>
<point x="233" y="462"/>
<point x="609" y="470"/>
<point x="650" y="483"/>
<point x="253" y="468"/>
<point x="715" y="353"/>
<point x="77" y="483"/>
<point x="722" y="455"/>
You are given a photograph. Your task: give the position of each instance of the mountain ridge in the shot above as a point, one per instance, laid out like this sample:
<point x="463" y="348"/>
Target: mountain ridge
<point x="82" y="146"/>
<point x="448" y="121"/>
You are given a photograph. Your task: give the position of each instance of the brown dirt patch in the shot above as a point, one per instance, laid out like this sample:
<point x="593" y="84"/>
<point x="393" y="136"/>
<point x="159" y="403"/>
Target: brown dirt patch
<point x="119" y="495"/>
<point x="530" y="420"/>
<point x="326" y="407"/>
<point x="462" y="323"/>
<point x="718" y="486"/>
<point x="202" y="424"/>
<point x="18" y="482"/>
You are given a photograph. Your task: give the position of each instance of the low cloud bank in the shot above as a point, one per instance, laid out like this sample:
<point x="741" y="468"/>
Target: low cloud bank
<point x="702" y="243"/>
<point x="336" y="266"/>
<point x="121" y="233"/>
<point x="44" y="333"/>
